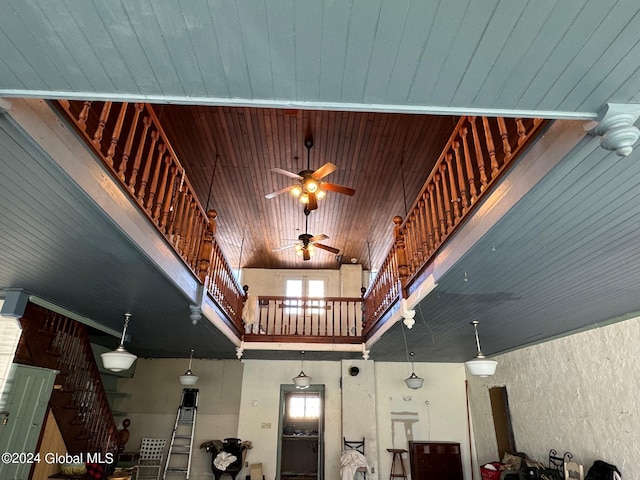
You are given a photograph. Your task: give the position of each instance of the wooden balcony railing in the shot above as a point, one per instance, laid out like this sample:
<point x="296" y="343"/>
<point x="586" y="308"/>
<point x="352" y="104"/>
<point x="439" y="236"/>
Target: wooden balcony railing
<point x="321" y="320"/>
<point x="478" y="152"/>
<point x="148" y="168"/>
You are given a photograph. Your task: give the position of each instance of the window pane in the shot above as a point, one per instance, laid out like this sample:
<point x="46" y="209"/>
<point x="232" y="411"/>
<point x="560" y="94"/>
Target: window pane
<point x="294" y="288"/>
<point x="304" y="407"/>
<point x="316" y="288"/>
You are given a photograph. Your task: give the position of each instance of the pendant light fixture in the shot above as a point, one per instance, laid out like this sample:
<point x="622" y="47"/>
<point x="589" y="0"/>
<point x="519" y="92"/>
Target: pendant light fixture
<point x="188" y="379"/>
<point x="480" y="366"/>
<point x="302" y="381"/>
<point x="414" y="382"/>
<point x="119" y="359"/>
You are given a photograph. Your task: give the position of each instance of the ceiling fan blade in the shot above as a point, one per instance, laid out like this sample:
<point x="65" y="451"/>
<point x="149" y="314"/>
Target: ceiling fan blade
<point x="318" y="238"/>
<point x="327" y="248"/>
<point x="287" y="173"/>
<point x="332" y="187"/>
<point x="278" y="192"/>
<point x="313" y="201"/>
<point x="279" y="249"/>
<point x="324" y="170"/>
<point x="305" y="254"/>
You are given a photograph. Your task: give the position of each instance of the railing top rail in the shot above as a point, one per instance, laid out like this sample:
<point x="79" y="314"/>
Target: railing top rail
<point x="311" y="299"/>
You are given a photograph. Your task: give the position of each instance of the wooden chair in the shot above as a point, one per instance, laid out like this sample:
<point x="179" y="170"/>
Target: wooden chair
<point x="357" y="445"/>
<point x="573" y="471"/>
<point x="150" y="461"/>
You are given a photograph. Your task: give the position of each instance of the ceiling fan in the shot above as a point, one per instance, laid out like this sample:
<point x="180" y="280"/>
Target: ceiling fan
<point x="306" y="244"/>
<point x="310" y="186"/>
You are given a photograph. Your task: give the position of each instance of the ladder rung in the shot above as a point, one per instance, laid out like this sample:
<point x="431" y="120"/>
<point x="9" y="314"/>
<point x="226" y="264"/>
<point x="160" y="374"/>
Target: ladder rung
<point x="176" y="469"/>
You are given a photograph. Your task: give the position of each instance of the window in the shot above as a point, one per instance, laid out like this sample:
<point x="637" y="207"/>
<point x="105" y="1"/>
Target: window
<point x="303" y="287"/>
<point x="303" y="406"/>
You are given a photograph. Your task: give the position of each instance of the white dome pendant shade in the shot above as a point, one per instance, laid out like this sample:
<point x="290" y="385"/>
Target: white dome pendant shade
<point x="188" y="379"/>
<point x="119" y="359"/>
<point x="480" y="366"/>
<point x="302" y="381"/>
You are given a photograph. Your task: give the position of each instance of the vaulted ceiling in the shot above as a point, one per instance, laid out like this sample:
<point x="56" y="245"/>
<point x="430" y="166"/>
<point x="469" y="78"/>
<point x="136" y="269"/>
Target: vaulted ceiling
<point x="239" y="85"/>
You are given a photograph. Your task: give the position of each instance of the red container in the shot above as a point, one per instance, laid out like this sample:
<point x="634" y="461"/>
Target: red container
<point x="488" y="474"/>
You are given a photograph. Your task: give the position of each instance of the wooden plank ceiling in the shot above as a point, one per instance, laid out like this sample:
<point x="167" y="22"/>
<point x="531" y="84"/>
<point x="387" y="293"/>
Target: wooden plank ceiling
<point x="228" y="154"/>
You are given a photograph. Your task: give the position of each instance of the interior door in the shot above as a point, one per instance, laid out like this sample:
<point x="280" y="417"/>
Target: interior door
<point x="23" y="409"/>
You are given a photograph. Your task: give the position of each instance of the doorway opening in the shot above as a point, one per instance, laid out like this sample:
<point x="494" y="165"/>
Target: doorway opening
<point x="301" y="452"/>
<point x="502" y="421"/>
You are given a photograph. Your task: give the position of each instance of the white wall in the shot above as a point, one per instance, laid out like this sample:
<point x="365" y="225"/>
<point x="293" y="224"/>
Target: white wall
<point x="155" y="394"/>
<point x="579" y="393"/>
<point x="267" y="282"/>
<point x="436" y="412"/>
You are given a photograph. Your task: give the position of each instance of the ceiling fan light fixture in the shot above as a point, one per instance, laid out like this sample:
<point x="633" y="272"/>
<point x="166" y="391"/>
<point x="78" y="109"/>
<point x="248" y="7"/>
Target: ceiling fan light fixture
<point x="311" y="186"/>
<point x="320" y="194"/>
<point x="296" y="191"/>
<point x="304" y="198"/>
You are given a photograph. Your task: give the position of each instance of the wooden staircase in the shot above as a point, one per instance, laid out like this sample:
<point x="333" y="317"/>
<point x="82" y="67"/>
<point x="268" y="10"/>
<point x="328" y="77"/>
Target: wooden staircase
<point x="78" y="402"/>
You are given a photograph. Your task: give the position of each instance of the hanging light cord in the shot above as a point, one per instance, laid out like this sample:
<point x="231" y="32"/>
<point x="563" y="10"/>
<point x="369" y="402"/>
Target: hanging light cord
<point x="406" y="349"/>
<point x="124" y="330"/>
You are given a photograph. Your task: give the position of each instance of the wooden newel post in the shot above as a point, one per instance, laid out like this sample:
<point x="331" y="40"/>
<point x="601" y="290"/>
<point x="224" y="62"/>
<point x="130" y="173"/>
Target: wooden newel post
<point x="206" y="250"/>
<point x="401" y="254"/>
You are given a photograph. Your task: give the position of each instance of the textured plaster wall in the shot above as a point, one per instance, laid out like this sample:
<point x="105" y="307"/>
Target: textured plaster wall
<point x="359" y="408"/>
<point x="436" y="412"/>
<point x="579" y="393"/>
<point x="155" y="393"/>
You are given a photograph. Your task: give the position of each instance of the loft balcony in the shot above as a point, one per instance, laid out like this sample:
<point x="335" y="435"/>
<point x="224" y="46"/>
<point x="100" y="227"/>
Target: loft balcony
<point x="131" y="143"/>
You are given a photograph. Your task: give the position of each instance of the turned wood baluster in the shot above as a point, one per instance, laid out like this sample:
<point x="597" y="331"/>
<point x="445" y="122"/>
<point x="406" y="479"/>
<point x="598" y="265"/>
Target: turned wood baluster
<point x="169" y="201"/>
<point x="522" y="132"/>
<point x="176" y="227"/>
<point x="116" y="134"/>
<point x="412" y="243"/>
<point x="186" y="249"/>
<point x="137" y="108"/>
<point x="429" y="225"/>
<point x="104" y="116"/>
<point x="462" y="185"/>
<point x="401" y="255"/>
<point x="455" y="198"/>
<point x="434" y="216"/>
<point x="147" y="168"/>
<point x="156" y="177"/>
<point x="206" y="251"/>
<point x="479" y="154"/>
<point x="446" y="198"/>
<point x="490" y="146"/>
<point x="83" y="115"/>
<point x="424" y="229"/>
<point x="506" y="146"/>
<point x="146" y="122"/>
<point x="439" y="200"/>
<point x="471" y="177"/>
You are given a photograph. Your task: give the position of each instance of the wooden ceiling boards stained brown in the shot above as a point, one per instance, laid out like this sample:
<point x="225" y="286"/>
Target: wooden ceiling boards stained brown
<point x="228" y="154"/>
